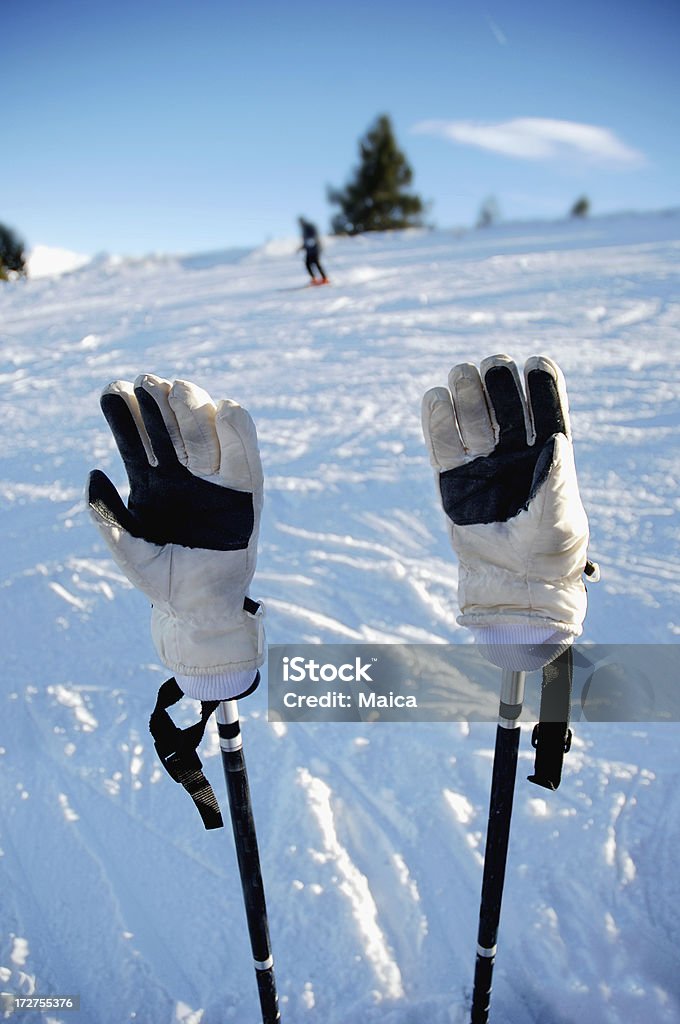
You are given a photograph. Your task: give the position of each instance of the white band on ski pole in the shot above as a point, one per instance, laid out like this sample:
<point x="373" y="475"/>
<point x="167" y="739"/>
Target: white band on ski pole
<point x="228" y="726"/>
<point x="488" y="952"/>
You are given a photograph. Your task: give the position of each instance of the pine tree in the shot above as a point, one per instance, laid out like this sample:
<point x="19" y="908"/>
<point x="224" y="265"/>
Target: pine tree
<point x="376" y="198"/>
<point x="11" y="254"/>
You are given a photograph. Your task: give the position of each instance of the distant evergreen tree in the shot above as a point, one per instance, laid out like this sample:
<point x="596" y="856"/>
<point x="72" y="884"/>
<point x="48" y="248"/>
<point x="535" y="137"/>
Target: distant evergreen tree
<point x="11" y="253"/>
<point x="489" y="213"/>
<point x="581" y="207"/>
<point x="376" y="198"/>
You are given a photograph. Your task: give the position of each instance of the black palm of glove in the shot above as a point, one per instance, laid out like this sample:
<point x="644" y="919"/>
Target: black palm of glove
<point x="168" y="503"/>
<point x="493" y="488"/>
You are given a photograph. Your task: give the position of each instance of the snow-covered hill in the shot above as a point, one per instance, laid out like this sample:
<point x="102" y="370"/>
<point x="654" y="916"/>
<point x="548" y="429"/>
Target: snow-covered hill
<point x="371" y="836"/>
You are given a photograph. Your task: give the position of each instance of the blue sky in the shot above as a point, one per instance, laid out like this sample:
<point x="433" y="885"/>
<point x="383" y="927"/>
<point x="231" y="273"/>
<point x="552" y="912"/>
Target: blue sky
<point x="157" y="125"/>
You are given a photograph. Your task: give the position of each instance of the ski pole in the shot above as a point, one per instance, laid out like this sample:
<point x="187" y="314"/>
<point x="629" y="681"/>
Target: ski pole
<point x="245" y="838"/>
<point x="497" y="837"/>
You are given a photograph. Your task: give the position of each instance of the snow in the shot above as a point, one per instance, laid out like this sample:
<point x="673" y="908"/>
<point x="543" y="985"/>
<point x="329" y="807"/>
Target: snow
<point x="50" y="261"/>
<point x="371" y="837"/>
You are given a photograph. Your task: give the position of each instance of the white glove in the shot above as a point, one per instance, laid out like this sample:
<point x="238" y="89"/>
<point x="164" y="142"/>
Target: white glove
<point x="508" y="486"/>
<point x="188" y="536"/>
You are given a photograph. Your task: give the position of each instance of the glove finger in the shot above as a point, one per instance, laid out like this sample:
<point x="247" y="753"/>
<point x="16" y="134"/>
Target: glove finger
<point x="506" y="400"/>
<point x="548" y="402"/>
<point x="123" y="415"/>
<point x="472" y="412"/>
<point x="440" y="429"/>
<point x="240" y="465"/>
<point x="194" y="410"/>
<point x="152" y="396"/>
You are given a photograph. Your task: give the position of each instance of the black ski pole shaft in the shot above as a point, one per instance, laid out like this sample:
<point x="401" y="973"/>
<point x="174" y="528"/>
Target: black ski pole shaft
<point x="245" y="838"/>
<point x="497" y="838"/>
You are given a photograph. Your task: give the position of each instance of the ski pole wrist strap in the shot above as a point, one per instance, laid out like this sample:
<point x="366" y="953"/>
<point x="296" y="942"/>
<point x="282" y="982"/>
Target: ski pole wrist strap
<point x="551" y="738"/>
<point x="177" y="750"/>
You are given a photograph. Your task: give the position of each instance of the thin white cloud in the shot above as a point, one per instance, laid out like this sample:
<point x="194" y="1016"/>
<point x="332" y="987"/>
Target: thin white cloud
<point x="538" y="138"/>
<point x="498" y="32"/>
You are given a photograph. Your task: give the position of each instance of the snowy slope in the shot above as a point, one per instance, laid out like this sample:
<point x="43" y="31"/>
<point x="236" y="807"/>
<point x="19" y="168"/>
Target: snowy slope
<point x="371" y="837"/>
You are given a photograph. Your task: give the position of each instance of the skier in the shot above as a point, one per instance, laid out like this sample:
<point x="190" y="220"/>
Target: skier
<point x="312" y="248"/>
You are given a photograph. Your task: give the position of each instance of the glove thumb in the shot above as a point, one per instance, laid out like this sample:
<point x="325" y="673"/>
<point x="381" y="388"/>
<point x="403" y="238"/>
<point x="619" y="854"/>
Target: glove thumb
<point x="119" y="531"/>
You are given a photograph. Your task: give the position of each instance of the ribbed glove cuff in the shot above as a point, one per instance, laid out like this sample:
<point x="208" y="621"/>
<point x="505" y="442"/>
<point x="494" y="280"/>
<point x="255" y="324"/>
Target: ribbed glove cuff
<point x="224" y="686"/>
<point x="521" y="648"/>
